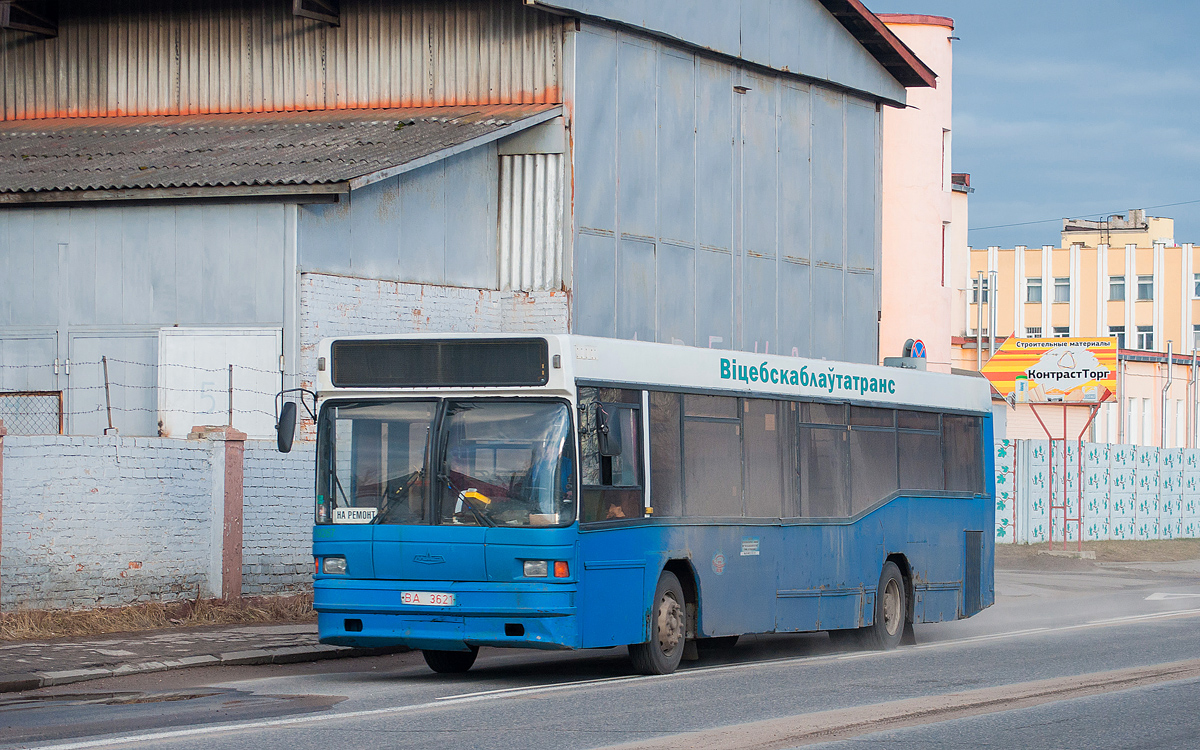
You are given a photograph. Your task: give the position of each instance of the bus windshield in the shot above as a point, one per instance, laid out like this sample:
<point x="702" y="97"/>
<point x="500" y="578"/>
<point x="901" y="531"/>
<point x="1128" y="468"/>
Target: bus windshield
<point x="495" y="463"/>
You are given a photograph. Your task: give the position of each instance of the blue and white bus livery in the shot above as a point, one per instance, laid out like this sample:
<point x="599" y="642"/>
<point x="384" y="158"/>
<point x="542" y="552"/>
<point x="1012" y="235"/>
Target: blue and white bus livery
<point x="571" y="492"/>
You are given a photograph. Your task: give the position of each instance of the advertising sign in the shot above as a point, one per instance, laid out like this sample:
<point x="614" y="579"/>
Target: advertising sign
<point x="1040" y="371"/>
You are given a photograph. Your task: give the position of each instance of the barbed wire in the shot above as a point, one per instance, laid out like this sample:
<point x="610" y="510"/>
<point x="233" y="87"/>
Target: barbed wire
<point x="149" y="365"/>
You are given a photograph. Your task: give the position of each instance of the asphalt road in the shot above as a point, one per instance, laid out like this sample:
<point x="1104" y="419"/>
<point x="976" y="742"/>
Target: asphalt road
<point x="1038" y="670"/>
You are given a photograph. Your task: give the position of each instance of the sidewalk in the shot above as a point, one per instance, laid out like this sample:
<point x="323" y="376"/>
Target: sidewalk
<point x="26" y="665"/>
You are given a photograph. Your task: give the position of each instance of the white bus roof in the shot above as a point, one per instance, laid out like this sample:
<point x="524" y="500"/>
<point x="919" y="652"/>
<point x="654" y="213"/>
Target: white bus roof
<point x="673" y="366"/>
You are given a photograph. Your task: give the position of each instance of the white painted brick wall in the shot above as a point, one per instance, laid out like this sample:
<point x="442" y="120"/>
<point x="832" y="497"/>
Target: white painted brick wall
<point x="100" y="521"/>
<point x="278" y="517"/>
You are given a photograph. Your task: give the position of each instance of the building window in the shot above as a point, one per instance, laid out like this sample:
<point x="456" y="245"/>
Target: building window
<point x="1119" y="332"/>
<point x="1116" y="288"/>
<point x="1033" y="332"/>
<point x="1145" y="336"/>
<point x="975" y="291"/>
<point x="1033" y="290"/>
<point x="1145" y="287"/>
<point x="1062" y="289"/>
<point x="1196" y="284"/>
<point x="1196" y="337"/>
<point x="1062" y="332"/>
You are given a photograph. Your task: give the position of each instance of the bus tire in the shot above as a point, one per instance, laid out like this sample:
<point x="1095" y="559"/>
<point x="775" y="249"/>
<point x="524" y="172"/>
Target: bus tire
<point x="450" y="662"/>
<point x="890" y="615"/>
<point x="668" y="630"/>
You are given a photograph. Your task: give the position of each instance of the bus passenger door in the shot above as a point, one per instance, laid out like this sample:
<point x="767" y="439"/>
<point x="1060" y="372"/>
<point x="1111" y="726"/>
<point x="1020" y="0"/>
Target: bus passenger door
<point x="612" y="548"/>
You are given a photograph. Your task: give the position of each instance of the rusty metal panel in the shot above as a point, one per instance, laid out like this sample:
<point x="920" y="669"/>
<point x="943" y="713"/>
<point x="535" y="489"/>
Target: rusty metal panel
<point x="828" y="176"/>
<point x="795" y="309"/>
<point x="828" y="310"/>
<point x="637" y="93"/>
<point x="861" y="320"/>
<point x="531" y="213"/>
<point x="138" y="57"/>
<point x="595" y="174"/>
<point x="595" y="285"/>
<point x="760" y="168"/>
<point x="714" y="156"/>
<point x="714" y="289"/>
<point x="676" y="294"/>
<point x="861" y="185"/>
<point x="795" y="176"/>
<point x="677" y="147"/>
<point x="759" y="282"/>
<point x="635" y="290"/>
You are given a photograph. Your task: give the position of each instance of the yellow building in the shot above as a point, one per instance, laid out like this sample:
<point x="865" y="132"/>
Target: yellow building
<point x="1144" y="291"/>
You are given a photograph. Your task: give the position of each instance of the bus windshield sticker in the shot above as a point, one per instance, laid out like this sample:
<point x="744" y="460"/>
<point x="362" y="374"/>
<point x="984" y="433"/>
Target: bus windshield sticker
<point x="749" y="546"/>
<point x="718" y="563"/>
<point x="354" y="515"/>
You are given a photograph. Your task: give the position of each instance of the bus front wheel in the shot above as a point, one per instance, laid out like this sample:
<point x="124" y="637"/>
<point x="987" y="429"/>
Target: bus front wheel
<point x="668" y="630"/>
<point x="450" y="662"/>
<point x="890" y="615"/>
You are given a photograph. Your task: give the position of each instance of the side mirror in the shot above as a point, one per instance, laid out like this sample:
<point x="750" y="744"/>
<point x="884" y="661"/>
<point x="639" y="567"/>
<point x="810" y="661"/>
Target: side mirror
<point x="608" y="430"/>
<point x="285" y="429"/>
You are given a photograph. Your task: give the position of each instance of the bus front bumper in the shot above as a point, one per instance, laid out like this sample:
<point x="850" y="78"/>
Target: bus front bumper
<point x="369" y="613"/>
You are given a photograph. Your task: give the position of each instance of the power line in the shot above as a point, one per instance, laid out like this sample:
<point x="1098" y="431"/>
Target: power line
<point x="1060" y="218"/>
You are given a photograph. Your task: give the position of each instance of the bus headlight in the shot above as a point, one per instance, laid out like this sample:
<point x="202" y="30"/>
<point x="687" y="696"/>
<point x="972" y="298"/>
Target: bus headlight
<point x="335" y="566"/>
<point x="536" y="568"/>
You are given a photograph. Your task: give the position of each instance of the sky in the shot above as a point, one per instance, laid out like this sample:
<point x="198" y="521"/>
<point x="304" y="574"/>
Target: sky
<point x="1072" y="108"/>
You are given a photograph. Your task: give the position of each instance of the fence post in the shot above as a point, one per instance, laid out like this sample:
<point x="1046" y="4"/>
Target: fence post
<point x="3" y="432"/>
<point x="228" y="480"/>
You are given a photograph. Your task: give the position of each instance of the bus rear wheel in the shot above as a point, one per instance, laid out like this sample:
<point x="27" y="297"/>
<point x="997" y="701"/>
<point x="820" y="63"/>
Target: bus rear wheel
<point x="668" y="630"/>
<point x="450" y="662"/>
<point x="890" y="611"/>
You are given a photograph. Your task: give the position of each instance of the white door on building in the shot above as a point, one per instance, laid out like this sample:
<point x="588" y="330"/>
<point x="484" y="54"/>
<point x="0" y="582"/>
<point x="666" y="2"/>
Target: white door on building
<point x="194" y="379"/>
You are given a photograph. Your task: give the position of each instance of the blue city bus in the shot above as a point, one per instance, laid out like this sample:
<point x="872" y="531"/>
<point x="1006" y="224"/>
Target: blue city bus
<point x="568" y="492"/>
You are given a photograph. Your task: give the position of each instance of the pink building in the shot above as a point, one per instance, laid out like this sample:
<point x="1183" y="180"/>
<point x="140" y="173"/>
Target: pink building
<point x="919" y="217"/>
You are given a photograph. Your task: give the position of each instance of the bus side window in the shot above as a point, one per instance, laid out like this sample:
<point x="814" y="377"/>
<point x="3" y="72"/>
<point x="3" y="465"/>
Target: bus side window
<point x="712" y="457"/>
<point x="962" y="441"/>
<point x="823" y="463"/>
<point x="666" y="456"/>
<point x="612" y="484"/>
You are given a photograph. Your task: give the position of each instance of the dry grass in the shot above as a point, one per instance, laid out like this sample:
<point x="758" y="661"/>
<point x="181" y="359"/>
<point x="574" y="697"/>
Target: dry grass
<point x="25" y="625"/>
<point x="1166" y="550"/>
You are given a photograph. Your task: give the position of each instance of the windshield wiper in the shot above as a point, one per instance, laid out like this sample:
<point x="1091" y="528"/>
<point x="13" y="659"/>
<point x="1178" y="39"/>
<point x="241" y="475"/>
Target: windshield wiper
<point x="403" y="489"/>
<point x="467" y="502"/>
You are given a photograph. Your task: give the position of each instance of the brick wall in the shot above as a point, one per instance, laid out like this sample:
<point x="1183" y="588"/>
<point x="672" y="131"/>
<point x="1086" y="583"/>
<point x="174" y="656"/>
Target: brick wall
<point x="97" y="521"/>
<point x="344" y="306"/>
<point x="277" y="526"/>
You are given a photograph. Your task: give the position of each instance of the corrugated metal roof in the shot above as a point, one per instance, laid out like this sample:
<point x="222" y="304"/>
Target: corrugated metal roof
<point x="347" y="148"/>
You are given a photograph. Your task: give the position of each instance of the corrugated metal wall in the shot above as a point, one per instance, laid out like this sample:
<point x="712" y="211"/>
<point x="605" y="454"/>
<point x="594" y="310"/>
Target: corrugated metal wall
<point x="433" y="225"/>
<point x="138" y="57"/>
<point x="531" y="221"/>
<point x="721" y="206"/>
<point x="80" y="284"/>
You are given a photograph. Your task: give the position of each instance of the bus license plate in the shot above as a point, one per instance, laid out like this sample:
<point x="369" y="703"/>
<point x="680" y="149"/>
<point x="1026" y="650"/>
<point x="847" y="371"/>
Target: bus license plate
<point x="427" y="598"/>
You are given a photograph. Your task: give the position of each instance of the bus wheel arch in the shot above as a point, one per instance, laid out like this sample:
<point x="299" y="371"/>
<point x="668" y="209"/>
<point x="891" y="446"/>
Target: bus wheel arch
<point x="682" y="568"/>
<point x="667" y="627"/>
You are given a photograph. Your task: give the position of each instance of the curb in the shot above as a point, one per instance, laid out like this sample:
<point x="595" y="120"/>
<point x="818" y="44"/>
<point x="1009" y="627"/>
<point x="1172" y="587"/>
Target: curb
<point x="12" y="683"/>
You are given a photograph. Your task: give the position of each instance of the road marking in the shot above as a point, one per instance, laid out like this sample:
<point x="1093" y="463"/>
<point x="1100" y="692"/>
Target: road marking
<point x="537" y="688"/>
<point x="451" y="700"/>
<point x="1163" y="597"/>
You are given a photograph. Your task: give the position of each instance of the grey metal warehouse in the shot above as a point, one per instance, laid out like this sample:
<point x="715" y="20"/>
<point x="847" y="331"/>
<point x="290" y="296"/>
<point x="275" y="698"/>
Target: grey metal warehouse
<point x="189" y="186"/>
